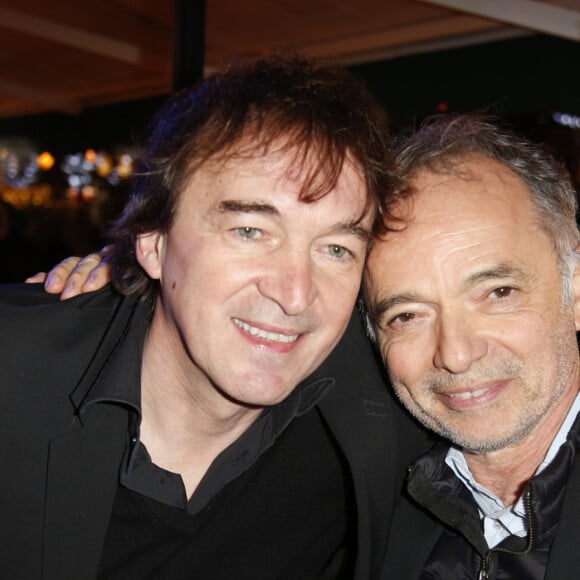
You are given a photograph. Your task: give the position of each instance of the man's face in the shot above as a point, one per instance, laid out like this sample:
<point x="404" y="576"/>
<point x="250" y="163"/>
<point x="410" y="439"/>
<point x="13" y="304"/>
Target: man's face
<point x="257" y="287"/>
<point x="471" y="324"/>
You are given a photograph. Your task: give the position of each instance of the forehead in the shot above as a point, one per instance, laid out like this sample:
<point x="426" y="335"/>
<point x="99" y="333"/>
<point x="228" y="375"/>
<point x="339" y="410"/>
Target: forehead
<point x="478" y="191"/>
<point x="274" y="184"/>
<point x="477" y="187"/>
<point x="255" y="170"/>
<point x="481" y="212"/>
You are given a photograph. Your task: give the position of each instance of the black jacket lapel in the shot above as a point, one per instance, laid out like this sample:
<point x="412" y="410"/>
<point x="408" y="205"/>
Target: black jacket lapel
<point x="370" y="467"/>
<point x="82" y="481"/>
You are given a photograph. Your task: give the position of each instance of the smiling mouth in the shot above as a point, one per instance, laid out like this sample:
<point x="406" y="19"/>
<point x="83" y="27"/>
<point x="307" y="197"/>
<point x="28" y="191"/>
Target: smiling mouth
<point x="264" y="334"/>
<point x="468" y="394"/>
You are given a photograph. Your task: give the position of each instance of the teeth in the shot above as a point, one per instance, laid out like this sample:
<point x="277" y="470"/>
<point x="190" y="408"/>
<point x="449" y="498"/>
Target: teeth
<point x="468" y="395"/>
<point x="271" y="336"/>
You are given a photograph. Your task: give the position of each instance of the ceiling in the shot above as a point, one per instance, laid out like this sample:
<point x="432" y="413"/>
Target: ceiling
<point x="66" y="55"/>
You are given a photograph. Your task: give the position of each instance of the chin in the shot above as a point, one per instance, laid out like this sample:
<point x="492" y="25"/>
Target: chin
<point x="257" y="398"/>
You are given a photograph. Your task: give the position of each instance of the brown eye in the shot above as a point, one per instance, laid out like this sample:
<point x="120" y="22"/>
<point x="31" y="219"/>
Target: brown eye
<point x="502" y="292"/>
<point x="402" y="318"/>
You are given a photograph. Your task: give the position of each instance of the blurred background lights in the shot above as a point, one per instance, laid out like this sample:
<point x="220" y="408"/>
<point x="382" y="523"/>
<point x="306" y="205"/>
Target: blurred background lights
<point x="104" y="164"/>
<point x="125" y="166"/>
<point x="567" y="120"/>
<point x="31" y="177"/>
<point x="91" y="156"/>
<point x="45" y="161"/>
<point x="88" y="192"/>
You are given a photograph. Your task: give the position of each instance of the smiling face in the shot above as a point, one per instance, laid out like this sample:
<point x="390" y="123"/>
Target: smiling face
<point x="469" y="314"/>
<point x="257" y="286"/>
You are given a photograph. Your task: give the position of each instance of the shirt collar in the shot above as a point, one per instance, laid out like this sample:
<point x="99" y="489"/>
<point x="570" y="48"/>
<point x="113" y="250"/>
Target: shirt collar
<point x="562" y="434"/>
<point x="500" y="520"/>
<point x="119" y="381"/>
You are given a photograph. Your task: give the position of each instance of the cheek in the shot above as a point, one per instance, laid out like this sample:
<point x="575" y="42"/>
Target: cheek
<point x="525" y="335"/>
<point x="338" y="294"/>
<point x="190" y="269"/>
<point x="401" y="364"/>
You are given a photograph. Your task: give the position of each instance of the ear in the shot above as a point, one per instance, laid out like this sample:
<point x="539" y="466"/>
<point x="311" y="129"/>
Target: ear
<point x="149" y="251"/>
<point x="576" y="288"/>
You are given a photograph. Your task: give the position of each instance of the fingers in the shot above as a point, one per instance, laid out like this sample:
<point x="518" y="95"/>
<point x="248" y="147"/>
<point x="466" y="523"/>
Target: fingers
<point x="98" y="277"/>
<point x="88" y="275"/>
<point x="75" y="276"/>
<point x="37" y="278"/>
<point x="57" y="277"/>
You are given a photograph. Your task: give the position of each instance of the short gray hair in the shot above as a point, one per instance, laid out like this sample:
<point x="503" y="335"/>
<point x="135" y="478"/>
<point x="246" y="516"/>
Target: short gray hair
<point x="444" y="141"/>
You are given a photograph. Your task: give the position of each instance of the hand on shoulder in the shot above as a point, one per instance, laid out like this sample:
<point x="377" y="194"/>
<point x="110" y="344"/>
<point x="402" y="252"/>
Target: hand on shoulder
<point x="74" y="275"/>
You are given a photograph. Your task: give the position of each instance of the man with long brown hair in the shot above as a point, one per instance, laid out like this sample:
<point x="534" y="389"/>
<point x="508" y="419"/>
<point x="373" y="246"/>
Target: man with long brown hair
<point x="203" y="418"/>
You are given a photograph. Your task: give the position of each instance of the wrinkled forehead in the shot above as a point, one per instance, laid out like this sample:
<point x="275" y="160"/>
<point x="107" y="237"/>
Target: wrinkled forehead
<point x="446" y="213"/>
<point x="469" y="179"/>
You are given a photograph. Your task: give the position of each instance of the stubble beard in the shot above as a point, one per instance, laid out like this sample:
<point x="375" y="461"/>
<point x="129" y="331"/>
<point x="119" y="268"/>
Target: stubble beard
<point x="529" y="416"/>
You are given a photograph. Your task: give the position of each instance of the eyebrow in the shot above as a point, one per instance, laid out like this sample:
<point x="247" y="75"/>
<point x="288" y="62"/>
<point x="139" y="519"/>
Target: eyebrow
<point x="240" y="206"/>
<point x="352" y="229"/>
<point x="378" y="309"/>
<point x="501" y="271"/>
<point x="495" y="272"/>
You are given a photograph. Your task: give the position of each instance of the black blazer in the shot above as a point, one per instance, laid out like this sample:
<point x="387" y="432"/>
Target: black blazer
<point x="60" y="471"/>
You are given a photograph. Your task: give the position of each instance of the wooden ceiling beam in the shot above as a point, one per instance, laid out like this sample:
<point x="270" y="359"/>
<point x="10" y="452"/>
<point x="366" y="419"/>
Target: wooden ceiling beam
<point x="528" y="14"/>
<point x="70" y="36"/>
<point x="407" y="39"/>
<point x="45" y="99"/>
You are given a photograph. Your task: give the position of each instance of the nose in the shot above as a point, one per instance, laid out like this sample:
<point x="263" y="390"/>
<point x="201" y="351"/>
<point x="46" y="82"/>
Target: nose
<point x="459" y="344"/>
<point x="288" y="280"/>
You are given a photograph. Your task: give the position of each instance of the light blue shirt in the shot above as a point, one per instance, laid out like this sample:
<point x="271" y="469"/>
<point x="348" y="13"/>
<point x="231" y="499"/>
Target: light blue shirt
<point x="500" y="521"/>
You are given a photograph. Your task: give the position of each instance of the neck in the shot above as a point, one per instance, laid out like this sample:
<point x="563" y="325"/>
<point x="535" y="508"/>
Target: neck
<point x="187" y="422"/>
<point x="506" y="471"/>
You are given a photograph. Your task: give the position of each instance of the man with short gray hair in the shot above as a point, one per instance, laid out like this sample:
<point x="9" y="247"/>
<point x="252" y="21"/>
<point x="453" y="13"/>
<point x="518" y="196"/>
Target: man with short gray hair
<point x="474" y="297"/>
